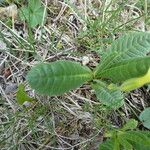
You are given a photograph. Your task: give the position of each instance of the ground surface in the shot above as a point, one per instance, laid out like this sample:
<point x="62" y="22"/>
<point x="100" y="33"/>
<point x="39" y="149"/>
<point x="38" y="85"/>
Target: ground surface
<point x="78" y="30"/>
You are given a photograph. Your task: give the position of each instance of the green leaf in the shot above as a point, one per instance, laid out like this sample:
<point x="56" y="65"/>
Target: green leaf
<point x="58" y="77"/>
<point x="137" y="137"/>
<point x="111" y="98"/>
<point x="36" y="4"/>
<point x="24" y="13"/>
<point x="111" y="144"/>
<point x="125" y="144"/>
<point x="145" y="117"/>
<point x="107" y="145"/>
<point x="22" y="95"/>
<point x="130" y="125"/>
<point x="134" y="83"/>
<point x="148" y="86"/>
<point x="105" y="63"/>
<point x="127" y="140"/>
<point x="125" y="70"/>
<point x="33" y="14"/>
<point x="116" y="145"/>
<point x="139" y="146"/>
<point x="132" y="45"/>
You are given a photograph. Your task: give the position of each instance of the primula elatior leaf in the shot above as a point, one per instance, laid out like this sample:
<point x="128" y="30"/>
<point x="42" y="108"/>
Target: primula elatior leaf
<point x="140" y="146"/>
<point x="105" y="63"/>
<point x="145" y="117"/>
<point x="127" y="140"/>
<point x="125" y="144"/>
<point x="33" y="13"/>
<point x="111" y="98"/>
<point x="130" y="125"/>
<point x="116" y="145"/>
<point x="22" y="95"/>
<point x="107" y="145"/>
<point x="125" y="70"/>
<point x="137" y="137"/>
<point x="58" y="77"/>
<point x="34" y="4"/>
<point x="128" y="46"/>
<point x="135" y="83"/>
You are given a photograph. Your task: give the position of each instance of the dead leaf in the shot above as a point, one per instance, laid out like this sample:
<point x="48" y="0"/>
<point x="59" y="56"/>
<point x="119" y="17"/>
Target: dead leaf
<point x="6" y="72"/>
<point x="10" y="11"/>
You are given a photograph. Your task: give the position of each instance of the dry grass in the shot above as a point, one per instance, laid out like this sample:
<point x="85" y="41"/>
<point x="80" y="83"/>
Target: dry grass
<point x="74" y="30"/>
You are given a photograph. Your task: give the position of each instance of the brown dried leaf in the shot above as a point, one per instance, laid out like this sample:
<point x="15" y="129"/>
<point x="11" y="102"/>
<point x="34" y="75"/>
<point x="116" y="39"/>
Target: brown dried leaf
<point x="10" y="11"/>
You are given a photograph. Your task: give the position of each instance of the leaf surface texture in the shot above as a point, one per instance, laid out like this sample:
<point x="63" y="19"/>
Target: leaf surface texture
<point x="58" y="77"/>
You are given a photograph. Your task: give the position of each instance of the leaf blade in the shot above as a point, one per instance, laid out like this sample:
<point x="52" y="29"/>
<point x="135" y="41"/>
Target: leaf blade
<point x="58" y="77"/>
<point x="111" y="98"/>
<point x="130" y="125"/>
<point x="125" y="70"/>
<point x="145" y="117"/>
<point x="137" y="136"/>
<point x="33" y="13"/>
<point x="22" y="95"/>
<point x="128" y="46"/>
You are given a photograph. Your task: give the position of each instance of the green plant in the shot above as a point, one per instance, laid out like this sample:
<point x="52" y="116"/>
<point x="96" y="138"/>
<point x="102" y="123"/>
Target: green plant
<point x="33" y="13"/>
<point x="123" y="67"/>
<point x="126" y="138"/>
<point x="145" y="117"/>
<point x="22" y="95"/>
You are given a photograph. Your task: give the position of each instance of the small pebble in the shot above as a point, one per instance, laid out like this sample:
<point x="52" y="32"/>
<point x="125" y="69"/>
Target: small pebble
<point x="11" y="88"/>
<point x="26" y="104"/>
<point x="85" y="60"/>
